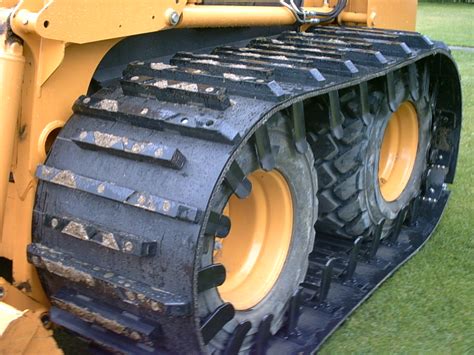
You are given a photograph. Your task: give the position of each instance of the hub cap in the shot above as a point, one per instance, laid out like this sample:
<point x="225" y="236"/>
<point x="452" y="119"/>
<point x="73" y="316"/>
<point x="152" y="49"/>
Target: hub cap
<point x="398" y="152"/>
<point x="256" y="248"/>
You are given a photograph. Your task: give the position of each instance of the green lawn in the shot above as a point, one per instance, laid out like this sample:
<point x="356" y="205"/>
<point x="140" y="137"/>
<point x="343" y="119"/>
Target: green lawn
<point x="451" y="23"/>
<point x="428" y="306"/>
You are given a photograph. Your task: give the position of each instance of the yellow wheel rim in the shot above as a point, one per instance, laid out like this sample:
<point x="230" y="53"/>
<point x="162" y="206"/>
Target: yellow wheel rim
<point x="398" y="152"/>
<point x="256" y="248"/>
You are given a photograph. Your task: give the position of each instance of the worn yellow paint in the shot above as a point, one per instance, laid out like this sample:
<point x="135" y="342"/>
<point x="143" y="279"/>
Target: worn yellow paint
<point x="21" y="328"/>
<point x="393" y="14"/>
<point x="12" y="65"/>
<point x="23" y="333"/>
<point x="93" y="20"/>
<point x="46" y="103"/>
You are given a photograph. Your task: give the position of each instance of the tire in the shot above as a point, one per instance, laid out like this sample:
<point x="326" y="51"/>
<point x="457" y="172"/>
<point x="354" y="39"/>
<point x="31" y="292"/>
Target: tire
<point x="351" y="203"/>
<point x="298" y="170"/>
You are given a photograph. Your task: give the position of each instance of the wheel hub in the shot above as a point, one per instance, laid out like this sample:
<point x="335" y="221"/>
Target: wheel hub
<point x="256" y="248"/>
<point x="398" y="152"/>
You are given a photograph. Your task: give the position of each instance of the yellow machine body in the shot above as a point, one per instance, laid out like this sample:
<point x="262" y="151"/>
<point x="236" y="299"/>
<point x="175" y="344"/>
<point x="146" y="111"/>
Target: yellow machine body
<point x="58" y="47"/>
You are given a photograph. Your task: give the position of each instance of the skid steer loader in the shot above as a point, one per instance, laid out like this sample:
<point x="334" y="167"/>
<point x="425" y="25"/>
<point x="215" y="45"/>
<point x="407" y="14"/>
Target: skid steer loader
<point x="211" y="176"/>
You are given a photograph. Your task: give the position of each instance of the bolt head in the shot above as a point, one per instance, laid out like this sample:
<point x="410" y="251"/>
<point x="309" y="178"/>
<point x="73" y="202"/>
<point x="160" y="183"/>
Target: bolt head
<point x="173" y="18"/>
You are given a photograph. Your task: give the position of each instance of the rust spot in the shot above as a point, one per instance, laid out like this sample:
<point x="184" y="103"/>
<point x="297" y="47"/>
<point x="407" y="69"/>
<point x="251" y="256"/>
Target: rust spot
<point x="159" y="152"/>
<point x="101" y="188"/>
<point x="46" y="171"/>
<point x="138" y="147"/>
<point x="109" y="105"/>
<point x="135" y="336"/>
<point x="207" y="61"/>
<point x="279" y="57"/>
<point x="106" y="140"/>
<point x="186" y="86"/>
<point x="143" y="202"/>
<point x="76" y="230"/>
<point x="160" y="66"/>
<point x="238" y="66"/>
<point x="166" y="205"/>
<point x="69" y="272"/>
<point x="92" y="317"/>
<point x="155" y="306"/>
<point x="108" y="240"/>
<point x="162" y="84"/>
<point x="235" y="77"/>
<point x="65" y="178"/>
<point x="130" y="295"/>
<point x="254" y="55"/>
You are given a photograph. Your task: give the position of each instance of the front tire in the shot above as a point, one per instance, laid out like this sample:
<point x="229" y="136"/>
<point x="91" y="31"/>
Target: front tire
<point x="299" y="175"/>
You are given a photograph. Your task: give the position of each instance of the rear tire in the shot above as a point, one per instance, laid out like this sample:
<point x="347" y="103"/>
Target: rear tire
<point x="351" y="203"/>
<point x="298" y="171"/>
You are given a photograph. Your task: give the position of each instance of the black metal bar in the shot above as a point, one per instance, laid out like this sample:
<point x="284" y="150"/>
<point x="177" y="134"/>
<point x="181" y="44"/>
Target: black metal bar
<point x="335" y="117"/>
<point x="216" y="321"/>
<point x="218" y="225"/>
<point x="263" y="335"/>
<point x="215" y="77"/>
<point x="413" y="81"/>
<point x="425" y="80"/>
<point x="264" y="149"/>
<point x="364" y="103"/>
<point x="211" y="276"/>
<point x="413" y="212"/>
<point x="326" y="278"/>
<point x="294" y="311"/>
<point x="181" y="92"/>
<point x="351" y="266"/>
<point x="376" y="237"/>
<point x="161" y="154"/>
<point x="391" y="94"/>
<point x="141" y="113"/>
<point x="398" y="225"/>
<point x="324" y="63"/>
<point x="237" y="338"/>
<point x="299" y="129"/>
<point x="283" y="71"/>
<point x="237" y="181"/>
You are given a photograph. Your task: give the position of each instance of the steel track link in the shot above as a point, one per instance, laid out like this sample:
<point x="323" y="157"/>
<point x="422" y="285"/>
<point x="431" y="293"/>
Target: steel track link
<point x="122" y="203"/>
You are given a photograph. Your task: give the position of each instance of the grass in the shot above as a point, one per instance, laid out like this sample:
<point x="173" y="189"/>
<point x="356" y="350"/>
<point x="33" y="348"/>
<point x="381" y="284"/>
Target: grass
<point x="451" y="23"/>
<point x="428" y="306"/>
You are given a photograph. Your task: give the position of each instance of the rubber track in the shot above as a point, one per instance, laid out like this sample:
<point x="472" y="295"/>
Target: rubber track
<point x="152" y="151"/>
